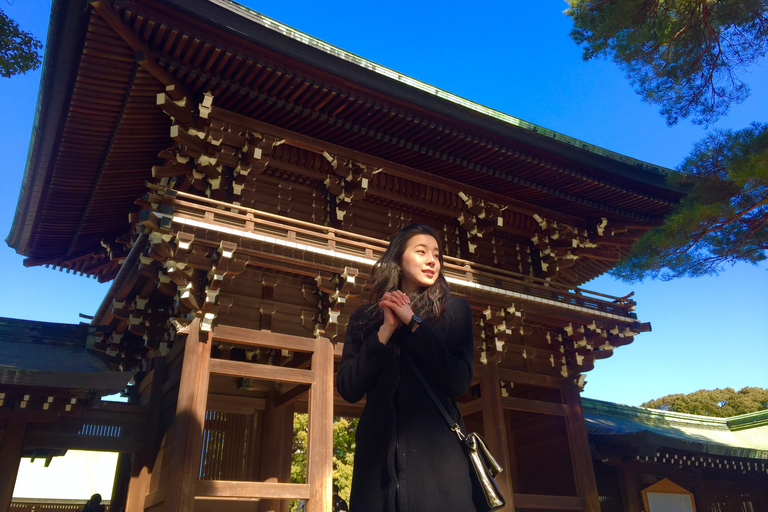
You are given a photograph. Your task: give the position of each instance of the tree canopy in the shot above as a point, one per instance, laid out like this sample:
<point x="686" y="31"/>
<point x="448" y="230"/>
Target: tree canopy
<point x="687" y="56"/>
<point x="343" y="452"/>
<point x="721" y="403"/>
<point x="724" y="218"/>
<point x="19" y="50"/>
<point x="683" y="55"/>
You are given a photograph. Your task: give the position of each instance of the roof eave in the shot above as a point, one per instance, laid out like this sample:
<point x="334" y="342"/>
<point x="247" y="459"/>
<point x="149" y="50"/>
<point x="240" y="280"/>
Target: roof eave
<point x="272" y="35"/>
<point x="67" y="26"/>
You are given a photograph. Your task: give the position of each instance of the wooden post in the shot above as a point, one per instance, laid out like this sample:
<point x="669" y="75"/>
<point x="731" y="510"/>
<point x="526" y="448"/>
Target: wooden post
<point x="275" y="449"/>
<point x="584" y="471"/>
<point x="122" y="480"/>
<point x="495" y="429"/>
<point x="141" y="462"/>
<point x="320" y="440"/>
<point x="10" y="458"/>
<point x="630" y="495"/>
<point x="188" y="423"/>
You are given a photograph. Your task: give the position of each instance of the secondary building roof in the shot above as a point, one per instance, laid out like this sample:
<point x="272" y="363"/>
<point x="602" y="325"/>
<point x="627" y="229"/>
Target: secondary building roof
<point x="744" y="436"/>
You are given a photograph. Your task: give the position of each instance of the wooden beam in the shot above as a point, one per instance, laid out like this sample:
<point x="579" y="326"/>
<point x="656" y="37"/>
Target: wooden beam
<point x="275" y="451"/>
<point x="261" y="371"/>
<point x="531" y="379"/>
<point x="259" y="338"/>
<point x="61" y="441"/>
<point x="471" y="407"/>
<point x="521" y="404"/>
<point x="144" y="57"/>
<point x="495" y="430"/>
<point x="581" y="456"/>
<point x="291" y="396"/>
<point x="187" y="437"/>
<point x="542" y="501"/>
<point x="402" y="171"/>
<point x="320" y="440"/>
<point x="235" y="404"/>
<point x="236" y="489"/>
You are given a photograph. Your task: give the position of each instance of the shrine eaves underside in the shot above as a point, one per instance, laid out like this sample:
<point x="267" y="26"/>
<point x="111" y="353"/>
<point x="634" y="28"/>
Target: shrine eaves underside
<point x="220" y="158"/>
<point x="101" y="130"/>
<point x="236" y="180"/>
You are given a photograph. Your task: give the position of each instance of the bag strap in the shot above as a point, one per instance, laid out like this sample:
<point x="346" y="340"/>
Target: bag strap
<point x="452" y="423"/>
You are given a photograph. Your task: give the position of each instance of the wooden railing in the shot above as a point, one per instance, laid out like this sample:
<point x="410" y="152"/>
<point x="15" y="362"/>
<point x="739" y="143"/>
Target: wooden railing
<point x="363" y="250"/>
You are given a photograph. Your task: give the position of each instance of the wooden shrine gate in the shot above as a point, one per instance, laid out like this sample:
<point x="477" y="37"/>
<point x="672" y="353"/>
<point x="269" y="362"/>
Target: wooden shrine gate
<point x="533" y="421"/>
<point x="261" y="173"/>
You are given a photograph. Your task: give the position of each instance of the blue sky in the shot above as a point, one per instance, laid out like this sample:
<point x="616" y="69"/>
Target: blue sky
<point x="515" y="57"/>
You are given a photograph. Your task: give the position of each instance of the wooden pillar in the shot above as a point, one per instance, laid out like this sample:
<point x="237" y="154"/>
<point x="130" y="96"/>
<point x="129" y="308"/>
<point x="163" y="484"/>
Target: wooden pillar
<point x="120" y="485"/>
<point x="495" y="430"/>
<point x="630" y="496"/>
<point x="584" y="471"/>
<point x="188" y="423"/>
<point x="10" y="458"/>
<point x="275" y="449"/>
<point x="141" y="462"/>
<point x="320" y="440"/>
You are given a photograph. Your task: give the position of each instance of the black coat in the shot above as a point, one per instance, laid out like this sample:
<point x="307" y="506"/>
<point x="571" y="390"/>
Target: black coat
<point x="406" y="457"/>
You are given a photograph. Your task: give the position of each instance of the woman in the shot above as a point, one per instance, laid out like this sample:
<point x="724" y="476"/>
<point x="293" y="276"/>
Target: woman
<point x="406" y="457"/>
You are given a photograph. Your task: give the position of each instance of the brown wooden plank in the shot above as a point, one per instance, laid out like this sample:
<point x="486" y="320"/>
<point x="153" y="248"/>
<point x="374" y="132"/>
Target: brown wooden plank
<point x="299" y="392"/>
<point x="184" y="451"/>
<point x="10" y="458"/>
<point x="320" y="440"/>
<point x="584" y="472"/>
<point x="237" y="489"/>
<point x="260" y="371"/>
<point x="521" y="404"/>
<point x="471" y="407"/>
<point x="547" y="502"/>
<point x="531" y="379"/>
<point x="259" y="338"/>
<point x="495" y="430"/>
<point x="233" y="403"/>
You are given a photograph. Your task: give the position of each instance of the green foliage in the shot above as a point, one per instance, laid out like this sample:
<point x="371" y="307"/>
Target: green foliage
<point x="343" y="452"/>
<point x="684" y="55"/>
<point x="721" y="403"/>
<point x="724" y="218"/>
<point x="18" y="49"/>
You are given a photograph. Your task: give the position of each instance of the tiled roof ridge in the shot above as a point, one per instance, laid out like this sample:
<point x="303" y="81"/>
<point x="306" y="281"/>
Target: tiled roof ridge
<point x="739" y="422"/>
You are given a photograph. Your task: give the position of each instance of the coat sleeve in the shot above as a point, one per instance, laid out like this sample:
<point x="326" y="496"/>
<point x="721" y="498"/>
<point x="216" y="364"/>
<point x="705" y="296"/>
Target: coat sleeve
<point x="362" y="360"/>
<point x="446" y="352"/>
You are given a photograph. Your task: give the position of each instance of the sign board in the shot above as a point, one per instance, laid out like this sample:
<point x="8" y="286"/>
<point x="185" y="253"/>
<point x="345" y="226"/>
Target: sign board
<point x="667" y="496"/>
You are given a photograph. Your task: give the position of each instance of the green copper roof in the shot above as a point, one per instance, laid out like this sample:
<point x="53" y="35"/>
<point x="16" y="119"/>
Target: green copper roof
<point x="738" y="436"/>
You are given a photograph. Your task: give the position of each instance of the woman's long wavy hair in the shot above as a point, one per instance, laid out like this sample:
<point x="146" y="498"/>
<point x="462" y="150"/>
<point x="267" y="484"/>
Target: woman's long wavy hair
<point x="386" y="276"/>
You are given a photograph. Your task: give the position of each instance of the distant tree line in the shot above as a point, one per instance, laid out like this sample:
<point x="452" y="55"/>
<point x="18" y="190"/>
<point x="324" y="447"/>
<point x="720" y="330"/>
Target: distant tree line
<point x="721" y="403"/>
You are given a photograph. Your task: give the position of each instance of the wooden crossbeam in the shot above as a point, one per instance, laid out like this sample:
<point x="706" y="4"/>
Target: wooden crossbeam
<point x="237" y="489"/>
<point x="548" y="502"/>
<point x="521" y="404"/>
<point x="258" y="338"/>
<point x="144" y="56"/>
<point x="260" y="371"/>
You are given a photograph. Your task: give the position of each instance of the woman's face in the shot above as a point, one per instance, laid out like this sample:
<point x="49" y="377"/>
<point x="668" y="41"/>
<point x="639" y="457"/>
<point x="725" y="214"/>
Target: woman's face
<point x="420" y="264"/>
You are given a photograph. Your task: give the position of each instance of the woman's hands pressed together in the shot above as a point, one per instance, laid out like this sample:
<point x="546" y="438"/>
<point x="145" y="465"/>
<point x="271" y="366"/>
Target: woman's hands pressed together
<point x="396" y="307"/>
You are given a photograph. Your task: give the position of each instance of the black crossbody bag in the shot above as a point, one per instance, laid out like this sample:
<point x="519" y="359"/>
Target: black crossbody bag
<point x="485" y="467"/>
